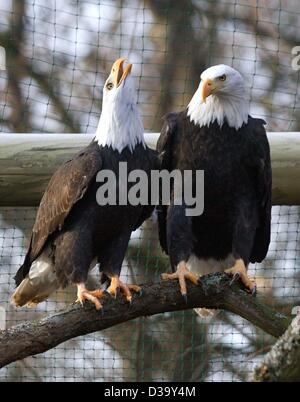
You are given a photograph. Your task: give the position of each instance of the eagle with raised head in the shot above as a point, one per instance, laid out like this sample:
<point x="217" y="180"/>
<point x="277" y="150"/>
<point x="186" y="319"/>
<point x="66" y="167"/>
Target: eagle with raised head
<point x="72" y="231"/>
<point x="216" y="134"/>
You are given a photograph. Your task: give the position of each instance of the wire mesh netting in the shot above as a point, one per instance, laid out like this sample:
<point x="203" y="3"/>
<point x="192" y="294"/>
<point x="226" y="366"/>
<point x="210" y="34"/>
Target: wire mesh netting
<point x="60" y="52"/>
<point x="58" y="55"/>
<point x="169" y="347"/>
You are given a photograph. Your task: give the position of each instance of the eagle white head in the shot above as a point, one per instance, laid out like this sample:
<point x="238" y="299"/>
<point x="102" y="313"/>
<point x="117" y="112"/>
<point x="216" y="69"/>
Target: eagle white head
<point x="221" y="97"/>
<point x="120" y="124"/>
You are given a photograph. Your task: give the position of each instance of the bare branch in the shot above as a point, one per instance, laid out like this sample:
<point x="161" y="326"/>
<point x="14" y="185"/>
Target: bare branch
<point x="214" y="291"/>
<point x="19" y="116"/>
<point x="255" y="23"/>
<point x="47" y="87"/>
<point x="282" y="363"/>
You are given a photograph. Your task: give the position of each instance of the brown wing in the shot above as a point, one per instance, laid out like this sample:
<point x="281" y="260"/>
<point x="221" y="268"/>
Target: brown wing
<point x="262" y="166"/>
<point x="66" y="187"/>
<point x="165" y="146"/>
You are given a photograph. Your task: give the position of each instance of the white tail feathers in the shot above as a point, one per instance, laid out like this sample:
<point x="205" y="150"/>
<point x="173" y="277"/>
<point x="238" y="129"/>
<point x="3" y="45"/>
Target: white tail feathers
<point x="37" y="286"/>
<point x="206" y="313"/>
<point x="205" y="267"/>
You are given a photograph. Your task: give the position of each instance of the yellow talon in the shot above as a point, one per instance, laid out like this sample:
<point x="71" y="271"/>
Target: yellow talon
<point x="182" y="273"/>
<point x="240" y="269"/>
<point x="125" y="289"/>
<point x="93" y="296"/>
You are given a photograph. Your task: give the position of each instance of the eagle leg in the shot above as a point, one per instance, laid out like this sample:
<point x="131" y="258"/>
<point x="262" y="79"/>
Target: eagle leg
<point x="93" y="296"/>
<point x="116" y="284"/>
<point x="182" y="273"/>
<point x="239" y="270"/>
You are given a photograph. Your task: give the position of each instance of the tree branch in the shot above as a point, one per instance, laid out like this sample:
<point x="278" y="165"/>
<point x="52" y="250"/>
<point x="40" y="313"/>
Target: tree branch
<point x="255" y="23"/>
<point x="282" y="363"/>
<point x="14" y="42"/>
<point x="48" y="88"/>
<point x="214" y="291"/>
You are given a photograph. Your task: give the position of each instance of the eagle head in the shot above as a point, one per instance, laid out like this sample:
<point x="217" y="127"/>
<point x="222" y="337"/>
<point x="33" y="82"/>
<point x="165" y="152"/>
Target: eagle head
<point x="221" y="80"/>
<point x="120" y="124"/>
<point x="119" y="86"/>
<point x="221" y="97"/>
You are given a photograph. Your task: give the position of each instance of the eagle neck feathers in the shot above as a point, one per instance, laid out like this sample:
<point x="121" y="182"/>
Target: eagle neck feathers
<point x="120" y="127"/>
<point x="221" y="108"/>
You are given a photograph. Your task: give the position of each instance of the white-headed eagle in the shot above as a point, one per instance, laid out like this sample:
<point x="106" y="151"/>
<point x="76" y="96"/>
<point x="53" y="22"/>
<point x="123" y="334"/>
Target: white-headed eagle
<point x="71" y="229"/>
<point x="216" y="134"/>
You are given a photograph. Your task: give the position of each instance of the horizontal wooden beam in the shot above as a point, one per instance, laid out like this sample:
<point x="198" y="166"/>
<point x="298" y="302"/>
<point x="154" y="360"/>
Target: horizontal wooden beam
<point x="27" y="162"/>
<point x="285" y="154"/>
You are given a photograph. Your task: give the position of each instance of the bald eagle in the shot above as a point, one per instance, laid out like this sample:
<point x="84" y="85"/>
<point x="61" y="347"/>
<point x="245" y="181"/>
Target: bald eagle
<point x="72" y="230"/>
<point x="216" y="134"/>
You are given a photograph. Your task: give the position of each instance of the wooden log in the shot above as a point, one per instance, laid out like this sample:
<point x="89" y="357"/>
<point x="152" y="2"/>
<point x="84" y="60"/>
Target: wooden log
<point x="27" y="162"/>
<point x="285" y="154"/>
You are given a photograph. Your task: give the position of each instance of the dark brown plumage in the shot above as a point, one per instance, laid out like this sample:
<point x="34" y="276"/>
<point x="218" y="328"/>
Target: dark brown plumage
<point x="67" y="186"/>
<point x="237" y="189"/>
<point x="72" y="231"/>
<point x="234" y="228"/>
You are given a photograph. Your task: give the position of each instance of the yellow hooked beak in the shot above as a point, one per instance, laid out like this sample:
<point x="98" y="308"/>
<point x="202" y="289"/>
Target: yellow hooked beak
<point x="207" y="86"/>
<point x="118" y="73"/>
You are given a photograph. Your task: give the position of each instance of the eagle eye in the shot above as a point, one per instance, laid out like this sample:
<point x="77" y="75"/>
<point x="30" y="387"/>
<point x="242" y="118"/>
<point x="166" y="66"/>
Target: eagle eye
<point x="222" y="77"/>
<point x="109" y="86"/>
